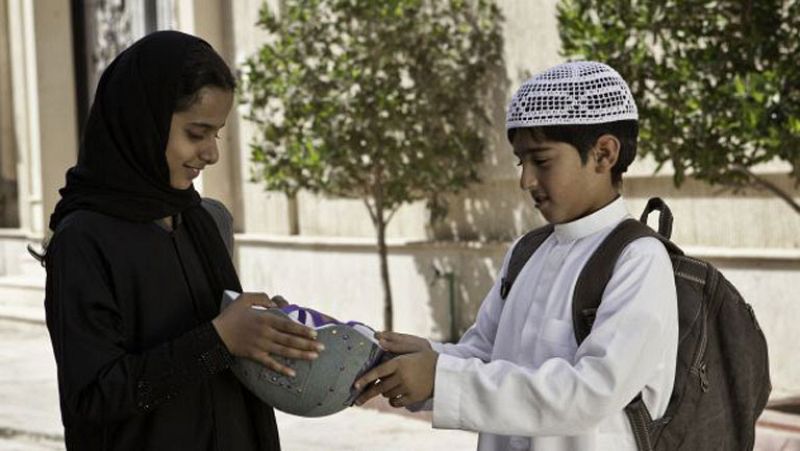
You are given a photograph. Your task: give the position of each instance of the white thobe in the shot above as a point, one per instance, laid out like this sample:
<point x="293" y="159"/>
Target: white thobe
<point x="518" y="377"/>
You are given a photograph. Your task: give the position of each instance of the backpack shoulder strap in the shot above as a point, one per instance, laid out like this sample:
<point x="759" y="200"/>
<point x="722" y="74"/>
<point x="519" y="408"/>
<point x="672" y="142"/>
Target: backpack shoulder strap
<point x="222" y="218"/>
<point x="592" y="282"/>
<point x="522" y="252"/>
<point x="597" y="272"/>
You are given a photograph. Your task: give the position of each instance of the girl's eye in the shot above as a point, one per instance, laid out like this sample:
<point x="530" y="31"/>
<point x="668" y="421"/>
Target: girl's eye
<point x="539" y="162"/>
<point x="194" y="136"/>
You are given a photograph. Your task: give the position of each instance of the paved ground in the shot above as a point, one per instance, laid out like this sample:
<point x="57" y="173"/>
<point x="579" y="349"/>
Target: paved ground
<point x="29" y="416"/>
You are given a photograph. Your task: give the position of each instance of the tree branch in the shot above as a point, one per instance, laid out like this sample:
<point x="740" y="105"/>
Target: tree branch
<point x="371" y="210"/>
<point x="391" y="213"/>
<point x="769" y="186"/>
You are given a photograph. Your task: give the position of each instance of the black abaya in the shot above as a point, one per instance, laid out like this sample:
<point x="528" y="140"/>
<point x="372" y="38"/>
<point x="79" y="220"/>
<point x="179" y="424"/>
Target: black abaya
<point x="140" y="365"/>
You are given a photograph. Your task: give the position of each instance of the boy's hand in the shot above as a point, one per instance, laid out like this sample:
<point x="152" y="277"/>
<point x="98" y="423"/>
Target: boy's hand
<point x="254" y="334"/>
<point x="404" y="380"/>
<point x="402" y="343"/>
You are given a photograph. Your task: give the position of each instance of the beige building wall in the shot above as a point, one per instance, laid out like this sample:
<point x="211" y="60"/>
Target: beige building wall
<point x="332" y="264"/>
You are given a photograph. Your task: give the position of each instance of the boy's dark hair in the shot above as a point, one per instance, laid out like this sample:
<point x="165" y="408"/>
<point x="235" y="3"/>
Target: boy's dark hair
<point x="584" y="136"/>
<point x="203" y="67"/>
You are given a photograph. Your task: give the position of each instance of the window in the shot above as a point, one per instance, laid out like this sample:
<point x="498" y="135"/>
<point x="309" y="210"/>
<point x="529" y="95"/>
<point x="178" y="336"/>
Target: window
<point x="102" y="29"/>
<point x="9" y="199"/>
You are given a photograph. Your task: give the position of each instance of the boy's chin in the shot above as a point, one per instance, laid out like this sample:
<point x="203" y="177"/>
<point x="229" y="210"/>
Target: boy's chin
<point x="546" y="211"/>
<point x="554" y="217"/>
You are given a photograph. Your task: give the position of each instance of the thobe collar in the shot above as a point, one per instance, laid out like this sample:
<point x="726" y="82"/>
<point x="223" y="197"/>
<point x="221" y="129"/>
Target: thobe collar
<point x="607" y="216"/>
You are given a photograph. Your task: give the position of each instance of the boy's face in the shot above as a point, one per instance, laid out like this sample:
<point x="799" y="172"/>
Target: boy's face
<point x="563" y="188"/>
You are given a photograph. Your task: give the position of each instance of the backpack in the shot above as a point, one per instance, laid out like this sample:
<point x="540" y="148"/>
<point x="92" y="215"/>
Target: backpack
<point x="722" y="375"/>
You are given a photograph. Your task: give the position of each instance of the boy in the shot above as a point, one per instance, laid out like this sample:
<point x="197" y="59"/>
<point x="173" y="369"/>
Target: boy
<point x="517" y="376"/>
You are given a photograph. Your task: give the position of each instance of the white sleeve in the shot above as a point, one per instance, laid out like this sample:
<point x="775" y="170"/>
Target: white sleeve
<point x="629" y="341"/>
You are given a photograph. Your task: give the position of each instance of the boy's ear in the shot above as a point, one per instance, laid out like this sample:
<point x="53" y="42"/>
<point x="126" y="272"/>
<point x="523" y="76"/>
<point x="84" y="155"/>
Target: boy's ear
<point x="606" y="152"/>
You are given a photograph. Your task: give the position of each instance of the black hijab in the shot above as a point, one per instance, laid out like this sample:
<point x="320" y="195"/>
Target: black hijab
<point x="122" y="168"/>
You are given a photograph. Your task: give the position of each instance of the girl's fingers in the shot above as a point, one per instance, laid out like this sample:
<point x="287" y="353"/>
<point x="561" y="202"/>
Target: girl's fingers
<point x="290" y="327"/>
<point x="265" y="359"/>
<point x="292" y="353"/>
<point x="279" y="301"/>
<point x="258" y="299"/>
<point x="293" y="341"/>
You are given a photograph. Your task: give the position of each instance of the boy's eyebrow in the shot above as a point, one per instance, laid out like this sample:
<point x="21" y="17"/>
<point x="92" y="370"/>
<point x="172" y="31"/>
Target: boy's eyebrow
<point x="531" y="149"/>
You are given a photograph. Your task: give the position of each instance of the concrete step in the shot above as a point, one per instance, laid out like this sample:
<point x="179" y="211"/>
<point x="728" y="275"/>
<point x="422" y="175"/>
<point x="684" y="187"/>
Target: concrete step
<point x="14" y="256"/>
<point x="22" y="297"/>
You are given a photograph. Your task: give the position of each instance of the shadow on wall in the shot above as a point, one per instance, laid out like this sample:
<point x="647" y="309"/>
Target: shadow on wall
<point x="469" y="244"/>
<point x="495" y="209"/>
<point x="458" y="279"/>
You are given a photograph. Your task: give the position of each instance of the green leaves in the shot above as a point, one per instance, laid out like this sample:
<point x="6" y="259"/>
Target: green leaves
<point x="383" y="99"/>
<point x="716" y="81"/>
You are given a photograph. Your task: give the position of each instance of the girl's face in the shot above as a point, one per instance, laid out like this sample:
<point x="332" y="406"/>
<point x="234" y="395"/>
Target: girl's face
<point x="193" y="135"/>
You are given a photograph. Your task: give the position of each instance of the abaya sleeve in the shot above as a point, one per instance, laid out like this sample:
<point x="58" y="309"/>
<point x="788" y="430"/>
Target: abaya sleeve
<point x="100" y="382"/>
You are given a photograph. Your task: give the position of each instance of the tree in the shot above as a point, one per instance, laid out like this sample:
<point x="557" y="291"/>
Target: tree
<point x="716" y="81"/>
<point x="383" y="101"/>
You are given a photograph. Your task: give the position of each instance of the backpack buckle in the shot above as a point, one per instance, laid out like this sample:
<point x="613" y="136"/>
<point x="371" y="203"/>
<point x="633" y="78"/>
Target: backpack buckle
<point x="505" y="287"/>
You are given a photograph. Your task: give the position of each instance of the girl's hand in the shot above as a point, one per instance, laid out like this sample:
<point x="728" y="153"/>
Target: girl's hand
<point x="255" y="334"/>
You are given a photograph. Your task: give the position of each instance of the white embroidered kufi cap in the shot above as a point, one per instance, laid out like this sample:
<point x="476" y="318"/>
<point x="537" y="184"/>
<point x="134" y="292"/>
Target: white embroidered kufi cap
<point x="582" y="92"/>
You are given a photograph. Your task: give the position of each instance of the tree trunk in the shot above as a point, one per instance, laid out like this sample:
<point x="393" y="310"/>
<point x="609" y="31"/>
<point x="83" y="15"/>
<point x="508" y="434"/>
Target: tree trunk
<point x="380" y="226"/>
<point x="378" y="212"/>
<point x="294" y="214"/>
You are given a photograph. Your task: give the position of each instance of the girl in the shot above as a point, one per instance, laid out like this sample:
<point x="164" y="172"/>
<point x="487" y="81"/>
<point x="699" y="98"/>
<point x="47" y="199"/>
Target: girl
<point x="137" y="266"/>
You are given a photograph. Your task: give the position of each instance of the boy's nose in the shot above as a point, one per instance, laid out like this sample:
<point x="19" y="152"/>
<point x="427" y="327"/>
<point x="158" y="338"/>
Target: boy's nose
<point x="528" y="181"/>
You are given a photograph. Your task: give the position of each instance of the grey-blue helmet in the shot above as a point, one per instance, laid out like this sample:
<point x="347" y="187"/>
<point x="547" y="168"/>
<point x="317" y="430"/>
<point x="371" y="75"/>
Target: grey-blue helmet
<point x="322" y="386"/>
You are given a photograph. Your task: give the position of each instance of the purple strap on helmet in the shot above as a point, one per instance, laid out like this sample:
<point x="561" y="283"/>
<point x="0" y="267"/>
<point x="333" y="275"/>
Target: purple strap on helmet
<point x="317" y="318"/>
